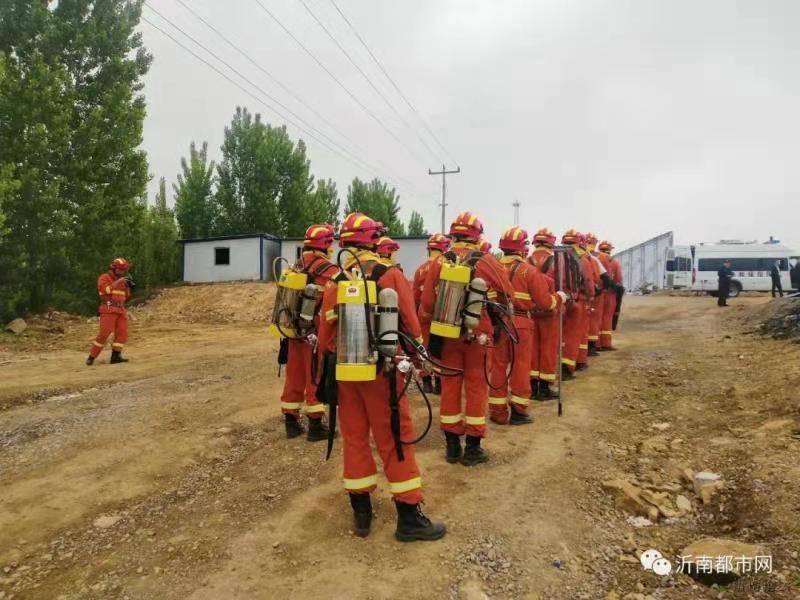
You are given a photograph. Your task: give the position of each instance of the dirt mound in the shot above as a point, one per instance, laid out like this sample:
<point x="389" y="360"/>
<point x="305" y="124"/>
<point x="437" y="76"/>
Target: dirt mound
<point x="779" y="319"/>
<point x="241" y="302"/>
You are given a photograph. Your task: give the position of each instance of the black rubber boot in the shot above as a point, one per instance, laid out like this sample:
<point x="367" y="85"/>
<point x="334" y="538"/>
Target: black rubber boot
<point x="362" y="513"/>
<point x="293" y="427"/>
<point x="437" y="385"/>
<point x="89" y="361"/>
<point x="593" y="349"/>
<point x="116" y="358"/>
<point x="427" y="384"/>
<point x="453" y="452"/>
<point x="317" y="430"/>
<point x="518" y="418"/>
<point x="581" y="366"/>
<point x="473" y="453"/>
<point x="566" y="375"/>
<point x="534" y="388"/>
<point x="413" y="525"/>
<point x="545" y="393"/>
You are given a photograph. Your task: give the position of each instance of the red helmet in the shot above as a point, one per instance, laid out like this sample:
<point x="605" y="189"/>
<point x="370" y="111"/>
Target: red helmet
<point x="570" y="237"/>
<point x="387" y="246"/>
<point x="514" y="239"/>
<point x="467" y="225"/>
<point x="359" y="230"/>
<point x="544" y="236"/>
<point x="606" y="246"/>
<point x="591" y="239"/>
<point x="319" y="237"/>
<point x="582" y="240"/>
<point x="439" y="242"/>
<point x="119" y="264"/>
<point x="484" y="245"/>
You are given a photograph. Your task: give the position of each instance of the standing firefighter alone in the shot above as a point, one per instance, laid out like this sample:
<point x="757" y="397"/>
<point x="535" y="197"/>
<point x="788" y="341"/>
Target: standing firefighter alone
<point x="114" y="288"/>
<point x="311" y="273"/>
<point x="725" y="275"/>
<point x="362" y="375"/>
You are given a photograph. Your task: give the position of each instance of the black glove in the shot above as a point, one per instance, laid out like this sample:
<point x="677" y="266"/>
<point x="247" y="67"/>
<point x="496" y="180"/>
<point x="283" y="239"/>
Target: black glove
<point x="130" y="282"/>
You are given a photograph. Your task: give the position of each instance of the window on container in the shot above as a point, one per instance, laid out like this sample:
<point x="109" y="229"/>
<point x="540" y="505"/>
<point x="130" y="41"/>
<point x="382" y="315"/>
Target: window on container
<point x="670" y="265"/>
<point x="222" y="256"/>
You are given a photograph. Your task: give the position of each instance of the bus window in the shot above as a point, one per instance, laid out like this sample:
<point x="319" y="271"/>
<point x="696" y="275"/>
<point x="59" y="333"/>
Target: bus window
<point x="670" y="265"/>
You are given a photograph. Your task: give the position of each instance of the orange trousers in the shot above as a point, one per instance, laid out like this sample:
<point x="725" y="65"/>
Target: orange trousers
<point x="609" y="306"/>
<point x="575" y="328"/>
<point x="364" y="408"/>
<point x="583" y="347"/>
<point x="110" y="322"/>
<point x="469" y="356"/>
<point x="515" y="375"/>
<point x="544" y="354"/>
<point x="596" y="318"/>
<point x="299" y="384"/>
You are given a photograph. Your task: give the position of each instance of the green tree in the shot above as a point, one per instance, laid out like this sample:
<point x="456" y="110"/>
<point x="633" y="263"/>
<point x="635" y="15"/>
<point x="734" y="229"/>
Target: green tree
<point x="377" y="200"/>
<point x="159" y="257"/>
<point x="264" y="180"/>
<point x="416" y="224"/>
<point x="325" y="203"/>
<point x="71" y="116"/>
<point x="194" y="194"/>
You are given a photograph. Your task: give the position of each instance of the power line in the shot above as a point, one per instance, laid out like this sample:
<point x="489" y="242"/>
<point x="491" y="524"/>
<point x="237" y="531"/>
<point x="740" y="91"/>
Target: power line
<point x="371" y="114"/>
<point x="263" y="70"/>
<point x="396" y="87"/>
<point x="367" y="78"/>
<point x="341" y="152"/>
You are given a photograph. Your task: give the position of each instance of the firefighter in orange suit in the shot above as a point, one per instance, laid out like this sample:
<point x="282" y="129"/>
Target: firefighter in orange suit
<point x="466" y="352"/>
<point x="576" y="325"/>
<point x="609" y="297"/>
<point x="596" y="317"/>
<point x="511" y="366"/>
<point x="484" y="245"/>
<point x="591" y="270"/>
<point x="545" y="332"/>
<point x="386" y="249"/>
<point x="299" y="385"/>
<point x="438" y="244"/>
<point x="364" y="406"/>
<point x="114" y="288"/>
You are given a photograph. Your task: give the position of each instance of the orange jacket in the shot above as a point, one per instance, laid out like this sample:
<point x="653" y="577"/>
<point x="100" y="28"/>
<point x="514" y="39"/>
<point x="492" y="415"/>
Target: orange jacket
<point x="591" y="276"/>
<point x="393" y="278"/>
<point x="113" y="293"/>
<point x="531" y="289"/>
<point x="420" y="274"/>
<point x="615" y="269"/>
<point x="487" y="267"/>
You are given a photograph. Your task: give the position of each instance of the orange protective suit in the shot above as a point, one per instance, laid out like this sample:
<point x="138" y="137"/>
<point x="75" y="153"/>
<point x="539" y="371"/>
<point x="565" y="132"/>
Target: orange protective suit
<point x="596" y="319"/>
<point x="299" y="384"/>
<point x="114" y="292"/>
<point x="576" y="319"/>
<point x="463" y="353"/>
<point x="609" y="303"/>
<point x="591" y="271"/>
<point x="544" y="353"/>
<point x="531" y="293"/>
<point x="364" y="406"/>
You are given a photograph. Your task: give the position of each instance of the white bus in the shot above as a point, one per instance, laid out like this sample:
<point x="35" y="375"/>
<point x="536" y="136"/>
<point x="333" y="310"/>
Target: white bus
<point x="695" y="267"/>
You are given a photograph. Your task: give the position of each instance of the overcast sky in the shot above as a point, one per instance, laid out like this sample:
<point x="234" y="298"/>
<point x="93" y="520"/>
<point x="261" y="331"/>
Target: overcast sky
<point x="625" y="118"/>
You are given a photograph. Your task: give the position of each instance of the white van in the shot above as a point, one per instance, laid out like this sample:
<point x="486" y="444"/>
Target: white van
<point x="695" y="267"/>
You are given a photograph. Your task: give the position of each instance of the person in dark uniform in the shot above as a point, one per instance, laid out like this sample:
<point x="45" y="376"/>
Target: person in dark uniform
<point x="724" y="288"/>
<point x="775" y="273"/>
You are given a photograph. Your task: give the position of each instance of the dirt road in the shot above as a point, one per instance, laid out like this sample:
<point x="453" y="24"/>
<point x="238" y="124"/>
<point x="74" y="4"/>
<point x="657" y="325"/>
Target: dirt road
<point x="170" y="477"/>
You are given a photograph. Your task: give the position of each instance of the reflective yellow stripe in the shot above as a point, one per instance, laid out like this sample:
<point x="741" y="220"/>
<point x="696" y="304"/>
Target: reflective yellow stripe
<point x="592" y="338"/>
<point x="520" y="400"/>
<point x="584" y="346"/>
<point x="534" y="373"/>
<point x="405" y="486"/>
<point x="553" y="303"/>
<point x="491" y="294"/>
<point x="496" y="400"/>
<point x="331" y="315"/>
<point x="116" y="345"/>
<point x="314" y="408"/>
<point x="568" y="362"/>
<point x="476" y="420"/>
<point x="97" y="344"/>
<point x="547" y="376"/>
<point x="522" y="295"/>
<point x="360" y="484"/>
<point x="605" y="333"/>
<point x="290" y="405"/>
<point x="108" y="289"/>
<point x="118" y="293"/>
<point x="451" y="419"/>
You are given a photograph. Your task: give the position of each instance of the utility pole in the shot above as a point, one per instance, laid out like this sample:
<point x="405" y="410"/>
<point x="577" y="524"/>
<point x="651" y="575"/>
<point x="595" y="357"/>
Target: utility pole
<point x="515" y="204"/>
<point x="444" y="173"/>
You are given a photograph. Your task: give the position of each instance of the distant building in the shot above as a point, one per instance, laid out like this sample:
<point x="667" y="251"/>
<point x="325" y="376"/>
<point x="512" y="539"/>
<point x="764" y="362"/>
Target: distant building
<point x="646" y="262"/>
<point x="251" y="256"/>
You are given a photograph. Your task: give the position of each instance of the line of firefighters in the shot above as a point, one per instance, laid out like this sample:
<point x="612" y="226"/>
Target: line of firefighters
<point x="483" y="332"/>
